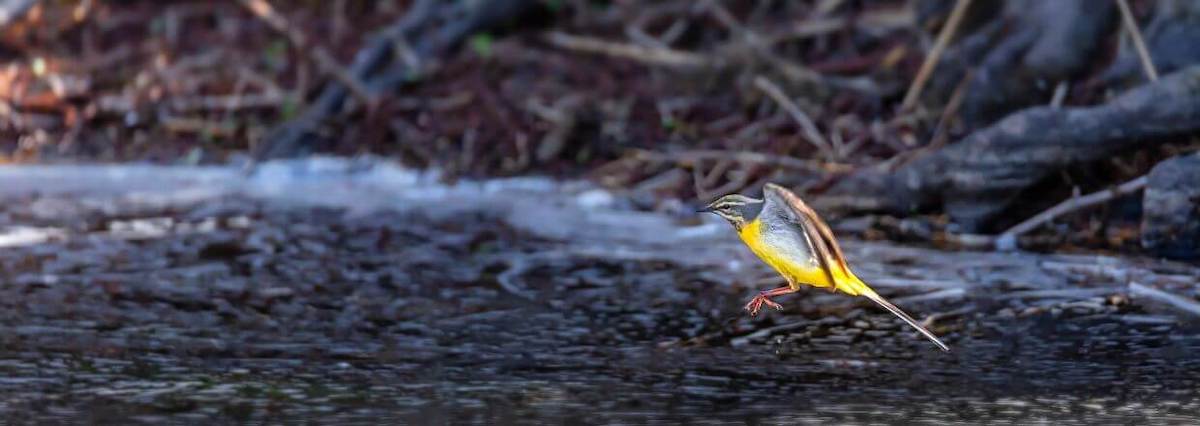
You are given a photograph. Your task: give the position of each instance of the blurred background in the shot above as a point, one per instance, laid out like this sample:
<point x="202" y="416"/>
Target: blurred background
<point x="851" y="99"/>
<point x="483" y="210"/>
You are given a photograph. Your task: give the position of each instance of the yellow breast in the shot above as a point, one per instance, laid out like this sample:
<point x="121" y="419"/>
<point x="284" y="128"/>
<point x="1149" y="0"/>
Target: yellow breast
<point x="797" y="271"/>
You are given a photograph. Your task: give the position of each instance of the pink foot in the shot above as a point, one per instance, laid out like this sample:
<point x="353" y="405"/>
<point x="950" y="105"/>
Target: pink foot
<point x="764" y="297"/>
<point x="756" y="303"/>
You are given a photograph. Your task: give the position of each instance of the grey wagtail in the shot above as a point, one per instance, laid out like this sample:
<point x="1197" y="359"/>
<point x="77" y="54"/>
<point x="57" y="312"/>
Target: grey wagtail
<point x="788" y="235"/>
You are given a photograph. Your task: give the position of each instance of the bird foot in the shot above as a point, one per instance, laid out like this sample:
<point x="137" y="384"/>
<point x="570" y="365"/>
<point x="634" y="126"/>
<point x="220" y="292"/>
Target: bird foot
<point x="756" y="303"/>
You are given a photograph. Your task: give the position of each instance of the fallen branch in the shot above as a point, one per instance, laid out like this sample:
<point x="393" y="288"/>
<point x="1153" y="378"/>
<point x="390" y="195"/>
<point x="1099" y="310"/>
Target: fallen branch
<point x="226" y="102"/>
<point x="1179" y="302"/>
<point x="1007" y="240"/>
<point x="651" y="55"/>
<point x="979" y="178"/>
<point x="387" y="62"/>
<point x="1138" y="43"/>
<point x="878" y="21"/>
<point x="939" y="46"/>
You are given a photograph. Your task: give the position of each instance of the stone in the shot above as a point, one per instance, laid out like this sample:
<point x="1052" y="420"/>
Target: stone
<point x="1171" y="208"/>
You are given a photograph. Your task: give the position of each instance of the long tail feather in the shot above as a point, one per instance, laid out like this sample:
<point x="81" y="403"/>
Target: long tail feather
<point x="893" y="309"/>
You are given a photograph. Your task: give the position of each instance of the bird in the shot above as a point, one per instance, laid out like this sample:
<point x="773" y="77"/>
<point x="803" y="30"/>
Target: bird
<point x="788" y="235"/>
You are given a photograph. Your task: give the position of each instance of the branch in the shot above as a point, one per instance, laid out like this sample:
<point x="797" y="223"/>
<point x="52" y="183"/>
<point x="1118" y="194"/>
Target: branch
<point x="939" y="46"/>
<point x="1179" y="302"/>
<point x="652" y="55"/>
<point x="1007" y="239"/>
<point x="1138" y="43"/>
<point x="387" y="61"/>
<point x="318" y="54"/>
<point x="810" y="129"/>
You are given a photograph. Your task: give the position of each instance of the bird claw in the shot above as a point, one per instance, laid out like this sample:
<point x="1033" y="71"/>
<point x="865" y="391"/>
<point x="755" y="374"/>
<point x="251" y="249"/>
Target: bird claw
<point x="756" y="303"/>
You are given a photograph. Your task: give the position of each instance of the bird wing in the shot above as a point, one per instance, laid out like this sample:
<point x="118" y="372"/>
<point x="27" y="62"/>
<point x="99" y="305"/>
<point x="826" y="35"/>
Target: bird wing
<point x="829" y="254"/>
<point x="820" y="237"/>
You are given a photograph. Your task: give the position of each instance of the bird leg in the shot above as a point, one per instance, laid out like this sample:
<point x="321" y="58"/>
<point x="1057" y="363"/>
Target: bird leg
<point x="764" y="297"/>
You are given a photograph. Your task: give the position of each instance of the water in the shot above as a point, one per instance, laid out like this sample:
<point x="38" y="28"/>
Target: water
<point x="237" y="307"/>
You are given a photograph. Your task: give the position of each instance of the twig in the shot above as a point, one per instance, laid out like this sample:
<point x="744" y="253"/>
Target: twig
<point x="1060" y="94"/>
<point x="639" y="36"/>
<point x="377" y="64"/>
<point x="806" y="124"/>
<point x="698" y="182"/>
<point x="755" y="43"/>
<point x="940" y="130"/>
<point x="877" y="21"/>
<point x="938" y="316"/>
<point x="718" y="170"/>
<point x="767" y="332"/>
<point x="226" y="103"/>
<point x="318" y="54"/>
<point x="939" y="46"/>
<point x="703" y="182"/>
<point x="745" y="157"/>
<point x="1138" y="43"/>
<point x="508" y="279"/>
<point x="674" y="32"/>
<point x="651" y="55"/>
<point x="723" y="16"/>
<point x="734" y="185"/>
<point x="442" y="104"/>
<point x="1179" y="302"/>
<point x="196" y="125"/>
<point x="1007" y="239"/>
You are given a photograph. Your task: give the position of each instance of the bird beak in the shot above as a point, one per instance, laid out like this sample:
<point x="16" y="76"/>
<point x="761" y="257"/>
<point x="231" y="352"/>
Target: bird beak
<point x="705" y="210"/>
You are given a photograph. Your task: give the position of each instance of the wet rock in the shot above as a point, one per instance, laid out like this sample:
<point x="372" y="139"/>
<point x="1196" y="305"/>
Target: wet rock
<point x="1171" y="208"/>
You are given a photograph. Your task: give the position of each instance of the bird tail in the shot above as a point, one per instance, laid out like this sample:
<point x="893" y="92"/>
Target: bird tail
<point x="893" y="309"/>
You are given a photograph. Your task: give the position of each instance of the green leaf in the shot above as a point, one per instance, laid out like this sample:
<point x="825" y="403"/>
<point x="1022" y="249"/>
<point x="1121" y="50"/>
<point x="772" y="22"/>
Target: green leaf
<point x="482" y="44"/>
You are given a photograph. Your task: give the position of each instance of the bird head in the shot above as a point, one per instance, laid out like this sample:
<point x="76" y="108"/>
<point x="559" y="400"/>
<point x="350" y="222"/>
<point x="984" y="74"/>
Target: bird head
<point x="736" y="208"/>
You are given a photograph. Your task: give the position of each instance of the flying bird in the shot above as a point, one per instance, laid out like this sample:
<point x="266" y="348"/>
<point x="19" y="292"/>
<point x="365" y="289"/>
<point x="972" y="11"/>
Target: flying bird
<point x="788" y="235"/>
